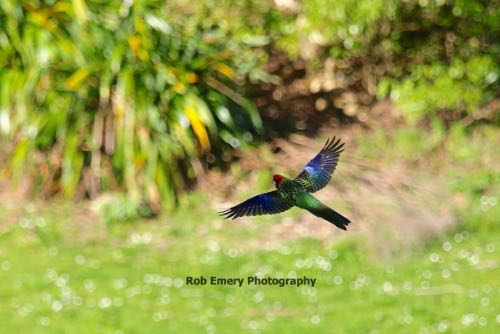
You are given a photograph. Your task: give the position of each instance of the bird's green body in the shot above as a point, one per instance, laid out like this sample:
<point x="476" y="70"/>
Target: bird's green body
<point x="307" y="201"/>
<point x="296" y="192"/>
<point x="290" y="190"/>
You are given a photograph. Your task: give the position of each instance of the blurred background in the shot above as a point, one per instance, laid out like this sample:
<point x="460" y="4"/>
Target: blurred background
<point x="126" y="125"/>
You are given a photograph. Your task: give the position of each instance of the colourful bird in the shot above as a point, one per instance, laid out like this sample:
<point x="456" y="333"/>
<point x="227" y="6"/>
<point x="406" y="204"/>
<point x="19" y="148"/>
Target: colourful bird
<point x="315" y="175"/>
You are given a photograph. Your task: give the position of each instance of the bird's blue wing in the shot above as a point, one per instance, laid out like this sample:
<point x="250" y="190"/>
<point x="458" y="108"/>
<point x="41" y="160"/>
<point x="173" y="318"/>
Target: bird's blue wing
<point x="264" y="204"/>
<point x="318" y="172"/>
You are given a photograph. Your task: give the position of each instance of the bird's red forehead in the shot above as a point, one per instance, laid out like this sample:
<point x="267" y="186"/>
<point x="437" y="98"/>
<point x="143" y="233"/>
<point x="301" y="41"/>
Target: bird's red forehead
<point x="278" y="178"/>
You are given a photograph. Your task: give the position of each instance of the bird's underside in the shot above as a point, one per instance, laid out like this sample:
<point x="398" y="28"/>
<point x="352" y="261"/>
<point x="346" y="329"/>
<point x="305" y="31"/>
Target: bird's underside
<point x="296" y="192"/>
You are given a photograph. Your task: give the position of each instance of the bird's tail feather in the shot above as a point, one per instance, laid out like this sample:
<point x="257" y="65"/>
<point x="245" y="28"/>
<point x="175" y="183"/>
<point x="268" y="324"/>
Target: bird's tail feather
<point x="330" y="215"/>
<point x="313" y="205"/>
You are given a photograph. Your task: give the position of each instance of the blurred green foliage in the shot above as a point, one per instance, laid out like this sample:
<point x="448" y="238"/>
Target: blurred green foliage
<point x="98" y="95"/>
<point x="429" y="56"/>
<point x="462" y="86"/>
<point x="129" y="94"/>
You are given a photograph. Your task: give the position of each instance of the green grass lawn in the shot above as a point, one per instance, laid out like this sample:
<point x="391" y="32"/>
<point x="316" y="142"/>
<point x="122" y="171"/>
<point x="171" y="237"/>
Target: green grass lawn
<point x="132" y="280"/>
<point x="63" y="272"/>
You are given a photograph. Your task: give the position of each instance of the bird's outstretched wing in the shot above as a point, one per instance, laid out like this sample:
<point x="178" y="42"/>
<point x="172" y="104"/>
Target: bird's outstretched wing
<point x="264" y="204"/>
<point x="318" y="172"/>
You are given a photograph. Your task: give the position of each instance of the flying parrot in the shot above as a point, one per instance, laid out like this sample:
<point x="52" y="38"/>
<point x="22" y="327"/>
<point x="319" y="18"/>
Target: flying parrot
<point x="297" y="192"/>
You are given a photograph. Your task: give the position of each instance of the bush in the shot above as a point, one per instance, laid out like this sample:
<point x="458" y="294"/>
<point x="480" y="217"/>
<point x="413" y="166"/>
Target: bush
<point x="101" y="95"/>
<point x="429" y="56"/>
<point x="460" y="86"/>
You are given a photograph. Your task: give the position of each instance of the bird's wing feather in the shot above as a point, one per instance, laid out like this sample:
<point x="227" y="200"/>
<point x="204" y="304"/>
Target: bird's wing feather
<point x="264" y="204"/>
<point x="318" y="172"/>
